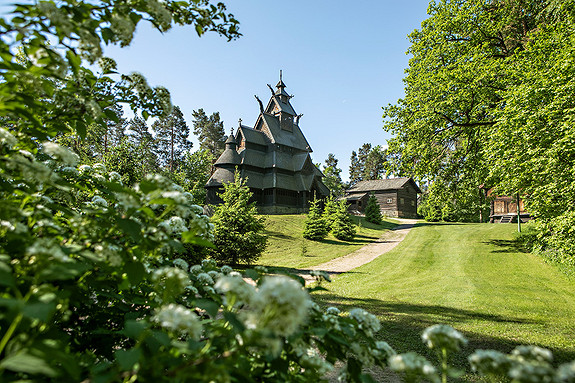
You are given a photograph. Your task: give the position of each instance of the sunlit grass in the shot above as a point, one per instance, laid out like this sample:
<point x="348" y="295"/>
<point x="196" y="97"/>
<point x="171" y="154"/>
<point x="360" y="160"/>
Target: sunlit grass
<point x="471" y="276"/>
<point x="285" y="242"/>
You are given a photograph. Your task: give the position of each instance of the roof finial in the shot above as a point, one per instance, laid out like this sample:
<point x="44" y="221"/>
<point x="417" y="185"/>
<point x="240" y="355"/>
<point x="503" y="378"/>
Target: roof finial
<point x="280" y="74"/>
<point x="240" y="122"/>
<point x="232" y="129"/>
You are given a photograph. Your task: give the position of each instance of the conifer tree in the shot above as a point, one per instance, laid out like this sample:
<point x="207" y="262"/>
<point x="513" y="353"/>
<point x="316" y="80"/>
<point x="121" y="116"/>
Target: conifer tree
<point x="329" y="211"/>
<point x="372" y="211"/>
<point x="315" y="226"/>
<point x="238" y="231"/>
<point x="342" y="227"/>
<point x="210" y="131"/>
<point x="172" y="141"/>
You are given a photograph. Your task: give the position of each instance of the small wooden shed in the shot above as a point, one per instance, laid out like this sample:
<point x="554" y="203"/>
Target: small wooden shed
<point x="504" y="209"/>
<point x="397" y="197"/>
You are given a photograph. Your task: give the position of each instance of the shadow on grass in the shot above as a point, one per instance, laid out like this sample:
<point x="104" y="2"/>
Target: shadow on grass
<point x="402" y="325"/>
<point x="507" y="246"/>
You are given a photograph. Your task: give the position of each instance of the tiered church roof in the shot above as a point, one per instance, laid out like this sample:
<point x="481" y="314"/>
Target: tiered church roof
<point x="274" y="157"/>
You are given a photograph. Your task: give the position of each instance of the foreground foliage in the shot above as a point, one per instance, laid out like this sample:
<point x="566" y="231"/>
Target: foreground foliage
<point x="87" y="285"/>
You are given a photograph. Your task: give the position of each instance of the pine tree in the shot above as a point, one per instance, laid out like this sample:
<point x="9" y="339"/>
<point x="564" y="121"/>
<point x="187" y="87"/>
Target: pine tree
<point x="315" y="226"/>
<point x="210" y="131"/>
<point x="343" y="227"/>
<point x="172" y="141"/>
<point x="143" y="143"/>
<point x="372" y="211"/>
<point x="332" y="177"/>
<point x="238" y="231"/>
<point x="329" y="210"/>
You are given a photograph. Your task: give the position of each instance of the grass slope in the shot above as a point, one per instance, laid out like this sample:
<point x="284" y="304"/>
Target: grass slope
<point x="471" y="276"/>
<point x="285" y="242"/>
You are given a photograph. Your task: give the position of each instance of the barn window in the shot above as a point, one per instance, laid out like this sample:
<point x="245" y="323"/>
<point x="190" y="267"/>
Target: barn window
<point x="401" y="201"/>
<point x="412" y="203"/>
<point x="389" y="200"/>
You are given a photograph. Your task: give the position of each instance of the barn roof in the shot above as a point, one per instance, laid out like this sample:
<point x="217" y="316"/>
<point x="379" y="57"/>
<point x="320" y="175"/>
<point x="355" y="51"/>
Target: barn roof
<point x="386" y="184"/>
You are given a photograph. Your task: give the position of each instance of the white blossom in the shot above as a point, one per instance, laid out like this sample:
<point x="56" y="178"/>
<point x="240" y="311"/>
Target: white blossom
<point x="174" y="225"/>
<point x="236" y="290"/>
<point x="532" y="353"/>
<point x="205" y="279"/>
<point x="99" y="168"/>
<point x="225" y="269"/>
<point x="178" y="318"/>
<point x="441" y="336"/>
<point x="171" y="278"/>
<point x="196" y="269"/>
<point x="366" y="321"/>
<point x="181" y="264"/>
<point x="99" y="201"/>
<point x="115" y="177"/>
<point x="413" y="364"/>
<point x="489" y="362"/>
<point x="280" y="305"/>
<point x="6" y="138"/>
<point x="61" y="153"/>
<point x="566" y="373"/>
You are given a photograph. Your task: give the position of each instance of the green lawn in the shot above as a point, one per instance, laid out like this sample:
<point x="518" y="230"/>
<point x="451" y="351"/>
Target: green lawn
<point x="471" y="276"/>
<point x="285" y="242"/>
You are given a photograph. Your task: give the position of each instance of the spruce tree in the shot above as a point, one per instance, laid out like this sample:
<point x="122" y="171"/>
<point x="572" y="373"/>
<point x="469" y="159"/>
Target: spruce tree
<point x="342" y="227"/>
<point x="329" y="211"/>
<point x="372" y="211"/>
<point x="238" y="231"/>
<point x="315" y="226"/>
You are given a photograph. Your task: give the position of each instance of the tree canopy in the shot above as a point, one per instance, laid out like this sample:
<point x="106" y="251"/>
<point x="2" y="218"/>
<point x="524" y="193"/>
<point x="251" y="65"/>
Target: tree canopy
<point x="488" y="104"/>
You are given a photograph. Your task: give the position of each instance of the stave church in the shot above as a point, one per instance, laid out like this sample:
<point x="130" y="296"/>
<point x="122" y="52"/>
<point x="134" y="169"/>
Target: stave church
<point x="274" y="158"/>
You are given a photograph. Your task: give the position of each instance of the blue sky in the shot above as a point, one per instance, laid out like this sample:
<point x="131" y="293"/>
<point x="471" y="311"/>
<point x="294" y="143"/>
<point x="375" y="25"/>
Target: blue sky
<point x="342" y="61"/>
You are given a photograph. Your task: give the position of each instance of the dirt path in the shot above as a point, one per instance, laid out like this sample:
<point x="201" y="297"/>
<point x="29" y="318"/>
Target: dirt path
<point x="366" y="254"/>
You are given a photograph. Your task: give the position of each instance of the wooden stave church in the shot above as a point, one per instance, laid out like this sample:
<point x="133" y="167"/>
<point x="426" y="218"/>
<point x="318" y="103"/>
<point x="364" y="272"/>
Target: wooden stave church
<point x="274" y="159"/>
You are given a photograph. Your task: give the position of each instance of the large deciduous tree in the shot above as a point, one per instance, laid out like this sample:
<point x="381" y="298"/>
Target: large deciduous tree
<point x="456" y="80"/>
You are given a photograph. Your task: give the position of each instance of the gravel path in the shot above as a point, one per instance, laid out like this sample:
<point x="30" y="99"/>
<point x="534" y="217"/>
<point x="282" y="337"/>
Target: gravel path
<point x="366" y="254"/>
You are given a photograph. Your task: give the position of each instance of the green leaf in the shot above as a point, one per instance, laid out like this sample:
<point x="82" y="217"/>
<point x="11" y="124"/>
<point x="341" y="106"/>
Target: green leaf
<point x="136" y="272"/>
<point x="127" y="358"/>
<point x="30" y="364"/>
<point x="251" y="273"/>
<point x="234" y="321"/>
<point x="130" y="227"/>
<point x="134" y="329"/>
<point x="191" y="238"/>
<point x="39" y="310"/>
<point x="6" y="277"/>
<point x="210" y="306"/>
<point x="62" y="272"/>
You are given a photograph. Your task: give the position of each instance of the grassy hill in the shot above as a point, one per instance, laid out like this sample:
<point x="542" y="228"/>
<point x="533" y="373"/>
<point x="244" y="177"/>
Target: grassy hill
<point x="285" y="242"/>
<point x="471" y="276"/>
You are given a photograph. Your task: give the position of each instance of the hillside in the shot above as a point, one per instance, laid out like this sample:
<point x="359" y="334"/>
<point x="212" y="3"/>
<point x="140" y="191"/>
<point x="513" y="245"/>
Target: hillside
<point x="471" y="276"/>
<point x="285" y="242"/>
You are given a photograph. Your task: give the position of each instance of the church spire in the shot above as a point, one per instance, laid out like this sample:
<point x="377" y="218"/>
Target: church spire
<point x="281" y="89"/>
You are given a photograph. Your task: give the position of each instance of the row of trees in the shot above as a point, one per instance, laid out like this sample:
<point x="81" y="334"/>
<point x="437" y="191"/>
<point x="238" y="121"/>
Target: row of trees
<point x="134" y="148"/>
<point x="488" y="101"/>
